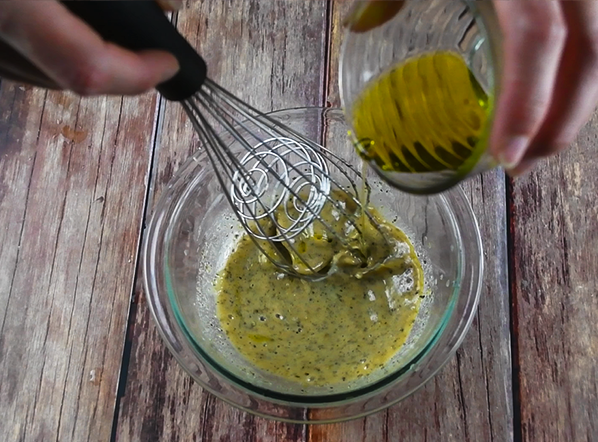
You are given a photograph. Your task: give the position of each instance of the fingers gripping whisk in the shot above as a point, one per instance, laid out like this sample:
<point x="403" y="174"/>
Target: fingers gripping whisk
<point x="280" y="174"/>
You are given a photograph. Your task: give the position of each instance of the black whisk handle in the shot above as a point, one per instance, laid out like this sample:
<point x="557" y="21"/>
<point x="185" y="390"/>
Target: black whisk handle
<point x="139" y="25"/>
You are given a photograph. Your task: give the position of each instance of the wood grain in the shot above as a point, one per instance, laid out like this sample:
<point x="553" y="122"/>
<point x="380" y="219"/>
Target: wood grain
<point x="470" y="399"/>
<point x="72" y="176"/>
<point x="272" y="55"/>
<point x="554" y="228"/>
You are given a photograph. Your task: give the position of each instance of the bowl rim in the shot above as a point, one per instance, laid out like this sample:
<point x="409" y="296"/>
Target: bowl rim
<point x="241" y="394"/>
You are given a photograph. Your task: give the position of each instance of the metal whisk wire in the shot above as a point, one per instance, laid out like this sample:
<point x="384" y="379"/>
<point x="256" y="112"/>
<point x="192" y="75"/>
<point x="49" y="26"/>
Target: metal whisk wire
<point x="280" y="170"/>
<point x="272" y="151"/>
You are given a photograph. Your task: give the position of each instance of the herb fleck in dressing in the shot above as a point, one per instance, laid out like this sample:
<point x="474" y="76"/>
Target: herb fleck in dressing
<point x="322" y="333"/>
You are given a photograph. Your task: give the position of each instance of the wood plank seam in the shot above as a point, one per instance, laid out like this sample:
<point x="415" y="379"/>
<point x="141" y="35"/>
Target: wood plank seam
<point x="41" y="117"/>
<point x="327" y="49"/>
<point x="480" y="340"/>
<point x="481" y="343"/>
<point x="462" y="396"/>
<point x="127" y="347"/>
<point x="514" y="320"/>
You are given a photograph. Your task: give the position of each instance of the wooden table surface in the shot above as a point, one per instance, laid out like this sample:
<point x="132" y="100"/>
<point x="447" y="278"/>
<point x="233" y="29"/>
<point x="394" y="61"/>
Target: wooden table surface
<point x="80" y="357"/>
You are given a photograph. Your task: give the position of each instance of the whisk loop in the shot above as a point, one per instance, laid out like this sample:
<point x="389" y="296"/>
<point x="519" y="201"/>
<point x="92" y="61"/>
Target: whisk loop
<point x="265" y="179"/>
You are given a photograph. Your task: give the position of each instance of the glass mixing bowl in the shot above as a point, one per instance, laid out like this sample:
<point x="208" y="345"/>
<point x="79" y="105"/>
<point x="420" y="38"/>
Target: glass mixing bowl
<point x="468" y="28"/>
<point x="193" y="230"/>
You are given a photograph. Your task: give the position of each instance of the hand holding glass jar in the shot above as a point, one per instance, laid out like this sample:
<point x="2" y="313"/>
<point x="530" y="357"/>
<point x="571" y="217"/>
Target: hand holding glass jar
<point x="549" y="78"/>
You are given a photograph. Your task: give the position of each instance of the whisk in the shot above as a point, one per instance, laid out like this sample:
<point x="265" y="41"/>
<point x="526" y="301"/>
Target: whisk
<point x="281" y="182"/>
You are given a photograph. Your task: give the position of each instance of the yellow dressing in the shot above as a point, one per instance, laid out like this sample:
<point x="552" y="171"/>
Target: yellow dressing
<point x="331" y="331"/>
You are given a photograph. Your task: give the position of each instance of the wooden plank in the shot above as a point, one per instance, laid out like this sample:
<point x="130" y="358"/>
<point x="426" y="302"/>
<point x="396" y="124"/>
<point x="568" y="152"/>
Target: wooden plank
<point x="470" y="399"/>
<point x="486" y="353"/>
<point x="73" y="176"/>
<point x="272" y="55"/>
<point x="554" y="230"/>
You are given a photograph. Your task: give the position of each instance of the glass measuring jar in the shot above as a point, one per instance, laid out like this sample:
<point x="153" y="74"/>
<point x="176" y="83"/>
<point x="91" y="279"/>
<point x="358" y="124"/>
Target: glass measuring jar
<point x="421" y="129"/>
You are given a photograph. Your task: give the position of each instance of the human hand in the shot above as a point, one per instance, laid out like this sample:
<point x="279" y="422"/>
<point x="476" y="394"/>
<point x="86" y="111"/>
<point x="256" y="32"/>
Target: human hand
<point x="549" y="83"/>
<point x="43" y="44"/>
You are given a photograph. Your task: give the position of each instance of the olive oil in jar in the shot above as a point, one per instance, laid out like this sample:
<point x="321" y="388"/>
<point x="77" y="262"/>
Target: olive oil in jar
<point x="428" y="114"/>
